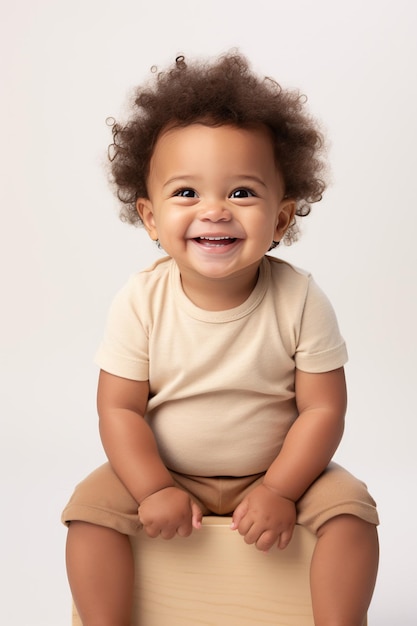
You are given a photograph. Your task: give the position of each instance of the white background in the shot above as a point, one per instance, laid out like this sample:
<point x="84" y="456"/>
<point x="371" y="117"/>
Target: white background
<point x="65" y="67"/>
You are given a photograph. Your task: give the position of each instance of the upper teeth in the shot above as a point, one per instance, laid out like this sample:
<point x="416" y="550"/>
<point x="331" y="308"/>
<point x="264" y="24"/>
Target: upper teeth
<point x="215" y="238"/>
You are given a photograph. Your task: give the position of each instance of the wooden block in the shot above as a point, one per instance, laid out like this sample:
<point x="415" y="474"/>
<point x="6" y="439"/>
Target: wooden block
<point x="214" y="579"/>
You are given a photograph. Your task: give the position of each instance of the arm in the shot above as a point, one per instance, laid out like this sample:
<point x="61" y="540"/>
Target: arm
<point x="314" y="436"/>
<point x="132" y="451"/>
<point x="267" y="515"/>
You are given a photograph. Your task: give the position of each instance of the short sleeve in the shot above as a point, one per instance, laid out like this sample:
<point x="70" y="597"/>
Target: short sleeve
<point x="124" y="348"/>
<point x="321" y="347"/>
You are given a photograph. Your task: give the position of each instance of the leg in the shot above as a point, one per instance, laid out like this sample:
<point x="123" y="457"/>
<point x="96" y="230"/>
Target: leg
<point x="343" y="571"/>
<point x="101" y="574"/>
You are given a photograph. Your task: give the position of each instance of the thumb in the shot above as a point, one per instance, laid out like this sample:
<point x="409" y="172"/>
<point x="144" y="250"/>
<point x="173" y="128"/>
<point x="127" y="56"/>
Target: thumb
<point x="239" y="513"/>
<point x="197" y="515"/>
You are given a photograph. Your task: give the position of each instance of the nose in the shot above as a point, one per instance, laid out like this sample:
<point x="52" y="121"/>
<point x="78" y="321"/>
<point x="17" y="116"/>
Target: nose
<point x="215" y="212"/>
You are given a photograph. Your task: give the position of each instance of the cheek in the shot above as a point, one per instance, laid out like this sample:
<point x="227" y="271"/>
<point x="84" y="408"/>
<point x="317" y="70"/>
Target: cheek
<point x="264" y="225"/>
<point x="171" y="224"/>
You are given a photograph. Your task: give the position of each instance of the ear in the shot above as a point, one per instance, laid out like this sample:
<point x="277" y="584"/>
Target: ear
<point x="285" y="217"/>
<point x="145" y="212"/>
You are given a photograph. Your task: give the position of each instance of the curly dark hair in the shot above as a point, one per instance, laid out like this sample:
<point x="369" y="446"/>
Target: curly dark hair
<point x="215" y="93"/>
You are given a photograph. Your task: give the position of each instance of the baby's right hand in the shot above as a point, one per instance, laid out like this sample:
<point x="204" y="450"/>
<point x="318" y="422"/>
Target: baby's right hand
<point x="168" y="512"/>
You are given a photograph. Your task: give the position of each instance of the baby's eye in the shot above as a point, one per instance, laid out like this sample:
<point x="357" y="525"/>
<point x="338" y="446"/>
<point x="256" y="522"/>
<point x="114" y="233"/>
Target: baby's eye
<point x="242" y="192"/>
<point x="186" y="192"/>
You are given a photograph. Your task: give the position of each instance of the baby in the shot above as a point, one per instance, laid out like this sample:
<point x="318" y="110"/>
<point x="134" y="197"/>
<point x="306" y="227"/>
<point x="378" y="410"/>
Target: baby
<point x="221" y="387"/>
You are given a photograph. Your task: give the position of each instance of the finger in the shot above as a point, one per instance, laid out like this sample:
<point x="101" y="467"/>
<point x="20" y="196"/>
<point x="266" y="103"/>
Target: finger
<point x="152" y="531"/>
<point x="249" y="531"/>
<point x="197" y="516"/>
<point x="239" y="513"/>
<point x="185" y="528"/>
<point x="284" y="539"/>
<point x="266" y="540"/>
<point x="168" y="532"/>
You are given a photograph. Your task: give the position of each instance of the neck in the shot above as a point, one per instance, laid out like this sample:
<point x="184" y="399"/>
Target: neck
<point x="219" y="294"/>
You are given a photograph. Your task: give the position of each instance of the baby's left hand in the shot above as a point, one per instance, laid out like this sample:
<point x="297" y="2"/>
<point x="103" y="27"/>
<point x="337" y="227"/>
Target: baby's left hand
<point x="265" y="518"/>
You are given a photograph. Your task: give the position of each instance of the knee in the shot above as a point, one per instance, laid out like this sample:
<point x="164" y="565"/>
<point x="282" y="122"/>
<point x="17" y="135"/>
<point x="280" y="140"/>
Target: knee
<point x="351" y="527"/>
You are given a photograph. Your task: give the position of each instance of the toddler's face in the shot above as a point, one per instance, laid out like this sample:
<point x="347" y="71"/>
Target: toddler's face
<point x="215" y="199"/>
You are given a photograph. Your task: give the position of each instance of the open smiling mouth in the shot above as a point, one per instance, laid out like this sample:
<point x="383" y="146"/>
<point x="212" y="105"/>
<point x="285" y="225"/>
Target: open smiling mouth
<point x="215" y="241"/>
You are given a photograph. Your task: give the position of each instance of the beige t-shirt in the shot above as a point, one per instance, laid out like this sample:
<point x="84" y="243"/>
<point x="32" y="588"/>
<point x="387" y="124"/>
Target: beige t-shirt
<point x="221" y="382"/>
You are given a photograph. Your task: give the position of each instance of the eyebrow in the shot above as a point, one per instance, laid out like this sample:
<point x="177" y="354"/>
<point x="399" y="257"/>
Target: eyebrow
<point x="240" y="179"/>
<point x="178" y="178"/>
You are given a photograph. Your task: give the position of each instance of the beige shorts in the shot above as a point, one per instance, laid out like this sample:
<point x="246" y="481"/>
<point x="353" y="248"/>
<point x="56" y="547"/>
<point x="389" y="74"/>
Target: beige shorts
<point x="103" y="500"/>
